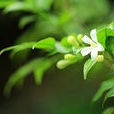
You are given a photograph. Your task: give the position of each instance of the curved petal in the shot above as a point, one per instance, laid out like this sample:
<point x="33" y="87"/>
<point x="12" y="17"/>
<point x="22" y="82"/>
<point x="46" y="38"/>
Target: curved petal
<point x="87" y="40"/>
<point x="100" y="47"/>
<point x="94" y="54"/>
<point x="93" y="35"/>
<point x="85" y="51"/>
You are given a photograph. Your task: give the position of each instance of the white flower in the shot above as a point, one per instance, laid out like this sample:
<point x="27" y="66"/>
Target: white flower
<point x="94" y="47"/>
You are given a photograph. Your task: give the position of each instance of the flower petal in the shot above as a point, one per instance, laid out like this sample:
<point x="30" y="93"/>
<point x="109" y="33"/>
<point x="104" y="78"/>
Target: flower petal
<point x="87" y="40"/>
<point x="94" y="54"/>
<point x="85" y="51"/>
<point x="93" y="35"/>
<point x="100" y="47"/>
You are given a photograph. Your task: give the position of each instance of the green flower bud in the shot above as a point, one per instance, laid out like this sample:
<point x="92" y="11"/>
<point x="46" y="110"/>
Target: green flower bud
<point x="79" y="37"/>
<point x="72" y="41"/>
<point x="100" y="58"/>
<point x="62" y="64"/>
<point x="69" y="57"/>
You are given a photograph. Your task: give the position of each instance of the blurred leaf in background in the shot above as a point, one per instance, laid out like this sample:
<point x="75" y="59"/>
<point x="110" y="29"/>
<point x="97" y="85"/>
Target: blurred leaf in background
<point x="39" y="19"/>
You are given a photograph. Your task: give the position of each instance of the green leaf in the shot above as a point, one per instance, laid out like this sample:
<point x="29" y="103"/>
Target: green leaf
<point x="109" y="94"/>
<point x="104" y="33"/>
<point x="101" y="35"/>
<point x="38" y="66"/>
<point x="87" y="66"/>
<point x="26" y="20"/>
<point x="106" y="85"/>
<point x="4" y="4"/>
<point x="18" y="6"/>
<point x="110" y="44"/>
<point x="109" y="110"/>
<point x="20" y="83"/>
<point x="30" y="1"/>
<point x="39" y="71"/>
<point x="110" y="30"/>
<point x="64" y="42"/>
<point x="48" y="43"/>
<point x="18" y="48"/>
<point x="21" y="73"/>
<point x="44" y="4"/>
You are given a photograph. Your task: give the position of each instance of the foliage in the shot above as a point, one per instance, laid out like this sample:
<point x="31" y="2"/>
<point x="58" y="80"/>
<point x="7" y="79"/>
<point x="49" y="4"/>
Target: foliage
<point x="71" y="46"/>
<point x="106" y="85"/>
<point x="64" y="20"/>
<point x="109" y="110"/>
<point x="37" y="66"/>
<point x="87" y="66"/>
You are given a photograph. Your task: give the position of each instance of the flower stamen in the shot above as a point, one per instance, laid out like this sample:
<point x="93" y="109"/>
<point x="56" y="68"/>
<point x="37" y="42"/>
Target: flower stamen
<point x="93" y="44"/>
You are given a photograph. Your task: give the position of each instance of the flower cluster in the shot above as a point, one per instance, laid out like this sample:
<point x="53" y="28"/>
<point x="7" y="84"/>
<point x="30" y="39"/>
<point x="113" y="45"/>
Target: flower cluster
<point x="80" y="49"/>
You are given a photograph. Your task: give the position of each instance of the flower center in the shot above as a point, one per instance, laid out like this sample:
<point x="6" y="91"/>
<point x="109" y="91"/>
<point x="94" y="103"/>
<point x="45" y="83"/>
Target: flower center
<point x="93" y="44"/>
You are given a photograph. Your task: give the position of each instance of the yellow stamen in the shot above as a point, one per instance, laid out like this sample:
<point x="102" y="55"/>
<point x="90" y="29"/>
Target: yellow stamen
<point x="93" y="44"/>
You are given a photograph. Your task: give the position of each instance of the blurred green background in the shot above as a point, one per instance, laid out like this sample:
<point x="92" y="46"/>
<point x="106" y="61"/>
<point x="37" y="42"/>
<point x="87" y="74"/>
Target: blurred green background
<point x="62" y="91"/>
